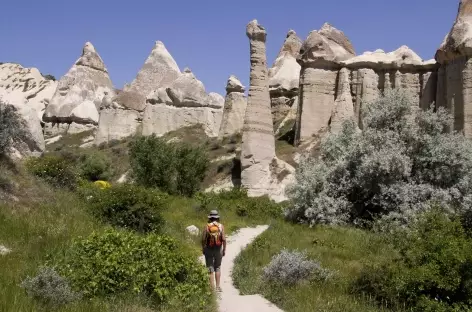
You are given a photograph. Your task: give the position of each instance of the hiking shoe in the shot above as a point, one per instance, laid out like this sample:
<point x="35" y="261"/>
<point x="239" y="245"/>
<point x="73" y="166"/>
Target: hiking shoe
<point x="218" y="289"/>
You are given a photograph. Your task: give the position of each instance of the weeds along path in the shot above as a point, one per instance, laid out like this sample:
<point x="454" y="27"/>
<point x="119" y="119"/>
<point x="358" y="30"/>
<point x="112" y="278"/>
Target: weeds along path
<point x="229" y="299"/>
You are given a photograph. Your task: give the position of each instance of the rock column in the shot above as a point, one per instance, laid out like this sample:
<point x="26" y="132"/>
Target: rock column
<point x="234" y="108"/>
<point x="258" y="146"/>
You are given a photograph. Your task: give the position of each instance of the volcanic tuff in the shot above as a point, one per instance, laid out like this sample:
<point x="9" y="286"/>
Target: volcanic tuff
<point x="80" y="92"/>
<point x="234" y="108"/>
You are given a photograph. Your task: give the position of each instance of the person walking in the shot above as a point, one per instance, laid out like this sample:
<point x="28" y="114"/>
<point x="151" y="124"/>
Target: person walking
<point x="214" y="248"/>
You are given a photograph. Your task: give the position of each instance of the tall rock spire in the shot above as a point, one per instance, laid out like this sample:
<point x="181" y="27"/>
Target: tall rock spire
<point x="234" y="108"/>
<point x="258" y="146"/>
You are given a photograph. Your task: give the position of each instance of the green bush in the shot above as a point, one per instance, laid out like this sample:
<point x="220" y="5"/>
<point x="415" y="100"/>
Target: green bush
<point x="56" y="170"/>
<point x="118" y="262"/>
<point x="95" y="166"/>
<point x="12" y="128"/>
<point x="432" y="270"/>
<point x="175" y="168"/>
<point x="128" y="206"/>
<point x="238" y="201"/>
<point x="49" y="288"/>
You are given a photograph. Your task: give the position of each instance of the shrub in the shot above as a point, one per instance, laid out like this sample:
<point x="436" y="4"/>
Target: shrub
<point x="95" y="166"/>
<point x="174" y="168"/>
<point x="129" y="206"/>
<point x="118" y="261"/>
<point x="432" y="270"/>
<point x="259" y="208"/>
<point x="49" y="77"/>
<point x="49" y="288"/>
<point x="393" y="169"/>
<point x="292" y="267"/>
<point x="12" y="128"/>
<point x="56" y="170"/>
<point x="191" y="166"/>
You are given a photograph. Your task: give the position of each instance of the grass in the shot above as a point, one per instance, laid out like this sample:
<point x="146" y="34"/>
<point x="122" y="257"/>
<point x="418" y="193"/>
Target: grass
<point x="42" y="222"/>
<point x="343" y="250"/>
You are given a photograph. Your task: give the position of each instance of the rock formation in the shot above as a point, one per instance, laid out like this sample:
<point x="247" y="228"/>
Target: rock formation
<point x="158" y="71"/>
<point x="184" y="103"/>
<point x="26" y="86"/>
<point x="336" y="85"/>
<point x="258" y="146"/>
<point x="454" y="89"/>
<point x="320" y="58"/>
<point x="234" y="108"/>
<point x="80" y="92"/>
<point x="34" y="145"/>
<point x="284" y="79"/>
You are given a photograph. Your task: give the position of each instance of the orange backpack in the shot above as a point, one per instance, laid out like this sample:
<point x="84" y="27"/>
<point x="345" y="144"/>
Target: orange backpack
<point x="215" y="234"/>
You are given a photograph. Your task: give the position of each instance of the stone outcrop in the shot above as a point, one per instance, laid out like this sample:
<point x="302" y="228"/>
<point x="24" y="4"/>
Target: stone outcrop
<point x="454" y="88"/>
<point x="116" y="124"/>
<point x="33" y="144"/>
<point x="320" y="59"/>
<point x="284" y="79"/>
<point x="336" y="85"/>
<point x="234" y="108"/>
<point x="159" y="71"/>
<point x="184" y="103"/>
<point x="26" y="86"/>
<point x="258" y="144"/>
<point x="80" y="92"/>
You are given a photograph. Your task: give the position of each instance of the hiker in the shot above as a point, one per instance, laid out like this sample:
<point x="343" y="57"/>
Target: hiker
<point x="214" y="247"/>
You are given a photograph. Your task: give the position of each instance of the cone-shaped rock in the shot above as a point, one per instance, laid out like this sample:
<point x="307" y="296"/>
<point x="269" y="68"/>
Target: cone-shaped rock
<point x="159" y="70"/>
<point x="234" y="108"/>
<point x="284" y="80"/>
<point x="86" y="82"/>
<point x="258" y="146"/>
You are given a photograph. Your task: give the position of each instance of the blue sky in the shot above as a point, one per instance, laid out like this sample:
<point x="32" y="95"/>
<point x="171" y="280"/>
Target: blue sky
<point x="207" y="35"/>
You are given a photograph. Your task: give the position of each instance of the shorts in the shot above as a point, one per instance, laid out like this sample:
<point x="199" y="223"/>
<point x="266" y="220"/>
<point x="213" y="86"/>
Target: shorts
<point x="213" y="258"/>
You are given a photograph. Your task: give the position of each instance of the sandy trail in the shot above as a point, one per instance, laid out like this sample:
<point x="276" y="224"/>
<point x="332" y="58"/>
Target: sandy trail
<point x="229" y="299"/>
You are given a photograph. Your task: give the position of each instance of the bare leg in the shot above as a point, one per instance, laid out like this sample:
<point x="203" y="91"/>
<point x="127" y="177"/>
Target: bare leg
<point x="212" y="280"/>
<point x="218" y="278"/>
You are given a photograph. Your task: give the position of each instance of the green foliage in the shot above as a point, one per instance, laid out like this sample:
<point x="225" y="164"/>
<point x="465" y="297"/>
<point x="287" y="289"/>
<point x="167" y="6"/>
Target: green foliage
<point x="12" y="128"/>
<point x="175" y="168"/>
<point x="49" y="77"/>
<point x="399" y="163"/>
<point x="55" y="170"/>
<point x="128" y="206"/>
<point x="95" y="166"/>
<point x="118" y="261"/>
<point x="49" y="288"/>
<point x="245" y="207"/>
<point x="432" y="270"/>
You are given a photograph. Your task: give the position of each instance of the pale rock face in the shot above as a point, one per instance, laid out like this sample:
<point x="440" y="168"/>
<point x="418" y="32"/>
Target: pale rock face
<point x="327" y="44"/>
<point x="26" y="84"/>
<point x="234" y="85"/>
<point x="192" y="230"/>
<point x="34" y="145"/>
<point x="184" y="103"/>
<point x="459" y="40"/>
<point x="116" y="124"/>
<point x="284" y="79"/>
<point x="258" y="146"/>
<point x="454" y="89"/>
<point x="159" y="70"/>
<point x="234" y="108"/>
<point x="344" y="107"/>
<point x="86" y="81"/>
<point x="320" y="57"/>
<point x="160" y="119"/>
<point x="85" y="113"/>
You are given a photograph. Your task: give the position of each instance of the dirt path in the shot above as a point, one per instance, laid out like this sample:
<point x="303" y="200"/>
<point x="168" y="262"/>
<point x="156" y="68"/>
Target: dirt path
<point x="230" y="300"/>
